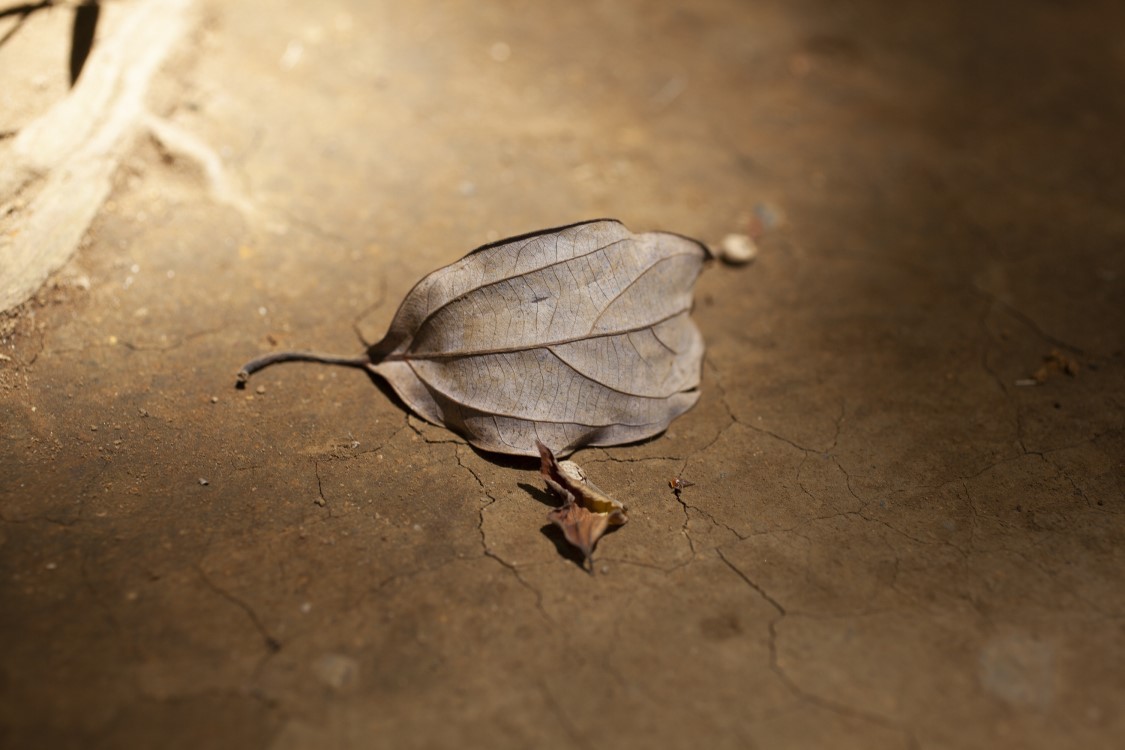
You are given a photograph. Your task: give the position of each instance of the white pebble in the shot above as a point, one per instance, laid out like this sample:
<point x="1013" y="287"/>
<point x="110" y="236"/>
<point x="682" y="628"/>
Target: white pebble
<point x="738" y="249"/>
<point x="500" y="52"/>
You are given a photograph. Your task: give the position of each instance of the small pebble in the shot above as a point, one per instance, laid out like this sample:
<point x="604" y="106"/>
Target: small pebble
<point x="320" y="501"/>
<point x="143" y="412"/>
<point x="203" y="482"/>
<point x="260" y="390"/>
<point x="1025" y="382"/>
<point x="214" y="399"/>
<point x="738" y="249"/>
<point x="337" y="671"/>
<point x="768" y="216"/>
<point x="500" y="52"/>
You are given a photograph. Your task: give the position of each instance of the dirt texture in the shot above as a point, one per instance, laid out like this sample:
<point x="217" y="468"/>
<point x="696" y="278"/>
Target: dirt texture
<point x="906" y="525"/>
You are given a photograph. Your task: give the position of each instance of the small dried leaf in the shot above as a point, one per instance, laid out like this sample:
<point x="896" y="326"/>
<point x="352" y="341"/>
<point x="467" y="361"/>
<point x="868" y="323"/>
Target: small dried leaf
<point x="586" y="512"/>
<point x="574" y="336"/>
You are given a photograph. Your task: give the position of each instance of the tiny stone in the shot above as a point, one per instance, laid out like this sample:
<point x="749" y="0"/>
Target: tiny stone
<point x="738" y="249"/>
<point x="260" y="390"/>
<point x="500" y="52"/>
<point x="51" y="566"/>
<point x="337" y="671"/>
<point x="93" y="428"/>
<point x="203" y="482"/>
<point x="214" y="399"/>
<point x="320" y="501"/>
<point x="143" y="412"/>
<point x="1025" y="382"/>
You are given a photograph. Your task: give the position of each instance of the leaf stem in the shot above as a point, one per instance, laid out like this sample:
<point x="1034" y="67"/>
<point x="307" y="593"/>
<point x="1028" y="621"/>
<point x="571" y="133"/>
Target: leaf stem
<point x="253" y="366"/>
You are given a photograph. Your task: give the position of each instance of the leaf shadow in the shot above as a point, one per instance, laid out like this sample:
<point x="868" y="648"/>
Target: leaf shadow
<point x="563" y="547"/>
<point x="569" y="552"/>
<point x="553" y="533"/>
<point x="566" y="550"/>
<point x="541" y="495"/>
<point x="504" y="460"/>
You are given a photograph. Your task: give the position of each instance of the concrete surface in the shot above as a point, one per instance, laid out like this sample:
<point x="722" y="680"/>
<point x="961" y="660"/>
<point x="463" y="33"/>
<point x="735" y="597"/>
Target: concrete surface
<point x="889" y="543"/>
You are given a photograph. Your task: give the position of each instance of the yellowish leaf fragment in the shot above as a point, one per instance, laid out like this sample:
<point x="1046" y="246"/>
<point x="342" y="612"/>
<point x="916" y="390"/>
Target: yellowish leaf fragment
<point x="586" y="512"/>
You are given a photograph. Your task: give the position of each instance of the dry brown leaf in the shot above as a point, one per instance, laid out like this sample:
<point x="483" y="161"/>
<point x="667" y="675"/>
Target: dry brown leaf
<point x="586" y="512"/>
<point x="573" y="336"/>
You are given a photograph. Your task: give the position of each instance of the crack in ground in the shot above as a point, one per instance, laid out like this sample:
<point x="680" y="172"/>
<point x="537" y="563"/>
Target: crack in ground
<point x="135" y="347"/>
<point x="986" y="365"/>
<point x="733" y="420"/>
<point x="329" y="457"/>
<point x="775" y="665"/>
<point x="272" y="644"/>
<point x="312" y="227"/>
<point x="993" y="303"/>
<point x="564" y="721"/>
<point x="488" y="552"/>
<point x="1030" y="323"/>
<point x="401" y="575"/>
<point x="686" y="506"/>
<point x="410" y="422"/>
<point x="362" y="314"/>
<point x="1095" y="505"/>
<point x="187" y="338"/>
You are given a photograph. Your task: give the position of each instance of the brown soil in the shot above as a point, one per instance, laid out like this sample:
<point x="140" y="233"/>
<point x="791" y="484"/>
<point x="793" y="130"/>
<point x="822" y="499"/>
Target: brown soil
<point x="906" y="524"/>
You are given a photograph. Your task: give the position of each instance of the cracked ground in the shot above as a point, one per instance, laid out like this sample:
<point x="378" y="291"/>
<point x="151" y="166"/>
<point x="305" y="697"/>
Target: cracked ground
<point x="905" y="528"/>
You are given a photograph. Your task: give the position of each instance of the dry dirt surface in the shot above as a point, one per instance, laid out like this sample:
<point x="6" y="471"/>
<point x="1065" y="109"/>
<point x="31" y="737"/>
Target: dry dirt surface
<point x="906" y="524"/>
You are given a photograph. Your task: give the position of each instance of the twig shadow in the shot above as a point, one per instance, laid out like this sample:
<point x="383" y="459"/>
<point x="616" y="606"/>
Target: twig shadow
<point x="24" y="12"/>
<point x="82" y="36"/>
